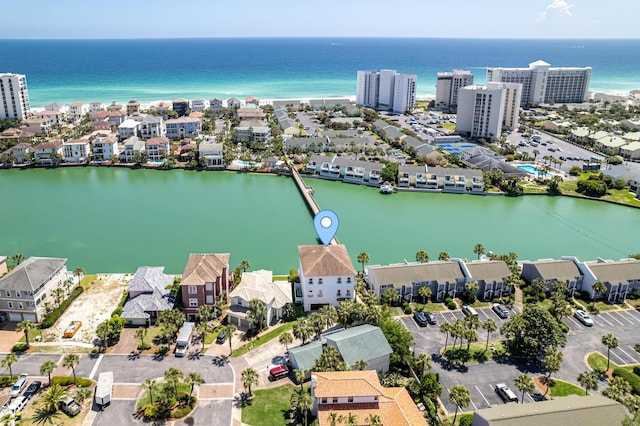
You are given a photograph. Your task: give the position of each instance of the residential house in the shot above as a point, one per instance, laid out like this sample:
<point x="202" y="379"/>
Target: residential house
<point x="611" y="144"/>
<point x="213" y="153"/>
<point x="252" y="100"/>
<point x="157" y="148"/>
<point x="18" y="152"/>
<point x="289" y="126"/>
<point x="77" y="110"/>
<point x="444" y="278"/>
<point x="261" y="286"/>
<point x="132" y="146"/>
<point x="233" y="103"/>
<point x="550" y="270"/>
<point x="53" y="117"/>
<point x="347" y="170"/>
<point x="100" y="116"/>
<point x="114" y="107"/>
<point x="253" y="134"/>
<point x="105" y="148"/>
<point x="116" y="118"/>
<point x="592" y="410"/>
<point x="180" y="106"/>
<point x="13" y="133"/>
<point x="410" y="175"/>
<point x="314" y="144"/>
<point x="197" y="105"/>
<point x="631" y="151"/>
<point x="178" y="128"/>
<point x="364" y="342"/>
<point x="128" y="128"/>
<point x="48" y="153"/>
<point x="76" y="150"/>
<point x="151" y="126"/>
<point x="57" y="107"/>
<point x="251" y="113"/>
<point x="37" y="126"/>
<point x="148" y="296"/>
<point x="205" y="277"/>
<point x="327" y="276"/>
<point x="490" y="276"/>
<point x="28" y="290"/>
<point x="621" y="277"/>
<point x="94" y="107"/>
<point x="360" y="393"/>
<point x="215" y="104"/>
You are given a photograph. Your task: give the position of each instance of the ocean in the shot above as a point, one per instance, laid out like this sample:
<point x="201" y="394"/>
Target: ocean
<point x="286" y="68"/>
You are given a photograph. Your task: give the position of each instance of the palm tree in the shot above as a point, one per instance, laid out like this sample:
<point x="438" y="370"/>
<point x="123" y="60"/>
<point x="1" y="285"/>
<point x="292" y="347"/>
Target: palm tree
<point x="193" y="379"/>
<point x="70" y="361"/>
<point x="8" y="361"/>
<point x="363" y="258"/>
<point x="244" y="265"/>
<point x="422" y="256"/>
<point x="445" y="328"/>
<point x="249" y="376"/>
<point x="588" y="380"/>
<point x="598" y="287"/>
<point x="538" y="285"/>
<point x="17" y="258"/>
<point x="300" y="375"/>
<point x="374" y="420"/>
<point x="611" y="342"/>
<point x="141" y="333"/>
<point x="316" y="321"/>
<point x="257" y="314"/>
<point x="479" y="250"/>
<point x="7" y="419"/>
<point x="344" y="311"/>
<point x="535" y="154"/>
<point x="552" y="362"/>
<point x="421" y="364"/>
<point x="228" y="332"/>
<point x="329" y="314"/>
<point x="26" y="326"/>
<point x="78" y="272"/>
<point x="52" y="397"/>
<point x="350" y="419"/>
<point x="150" y="385"/>
<point x="424" y="292"/>
<point x="444" y="256"/>
<point x="205" y="312"/>
<point x="203" y="328"/>
<point x="286" y="339"/>
<point x="301" y="401"/>
<point x="302" y="329"/>
<point x="459" y="396"/>
<point x="333" y="418"/>
<point x="47" y="368"/>
<point x="360" y="364"/>
<point x="524" y="383"/>
<point x="491" y="326"/>
<point x="173" y="376"/>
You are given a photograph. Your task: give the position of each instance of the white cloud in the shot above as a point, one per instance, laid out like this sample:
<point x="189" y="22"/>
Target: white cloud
<point x="556" y="7"/>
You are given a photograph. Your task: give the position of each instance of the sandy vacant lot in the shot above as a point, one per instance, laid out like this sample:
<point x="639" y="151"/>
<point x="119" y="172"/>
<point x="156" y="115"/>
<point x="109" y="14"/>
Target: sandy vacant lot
<point x="92" y="307"/>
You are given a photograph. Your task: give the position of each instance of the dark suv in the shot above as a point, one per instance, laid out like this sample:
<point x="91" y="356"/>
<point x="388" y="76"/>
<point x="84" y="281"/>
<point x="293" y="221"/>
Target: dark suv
<point x="431" y="319"/>
<point x="420" y="318"/>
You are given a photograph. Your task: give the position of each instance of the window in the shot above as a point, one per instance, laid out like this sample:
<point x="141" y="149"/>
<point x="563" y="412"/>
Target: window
<point x="339" y="293"/>
<point x="193" y="303"/>
<point x="209" y="299"/>
<point x="320" y="293"/>
<point x="192" y="289"/>
<point x="324" y="400"/>
<point x="310" y="294"/>
<point x="208" y="286"/>
<point x="348" y="280"/>
<point x="334" y="400"/>
<point x="18" y="294"/>
<point x="319" y="280"/>
<point x="348" y="293"/>
<point x="20" y="305"/>
<point x="8" y="293"/>
<point x="350" y="399"/>
<point x="310" y="280"/>
<point x="10" y="305"/>
<point x="339" y="280"/>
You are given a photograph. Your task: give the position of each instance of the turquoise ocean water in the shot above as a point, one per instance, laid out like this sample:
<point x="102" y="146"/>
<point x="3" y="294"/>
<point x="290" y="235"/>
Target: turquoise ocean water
<point x="285" y="68"/>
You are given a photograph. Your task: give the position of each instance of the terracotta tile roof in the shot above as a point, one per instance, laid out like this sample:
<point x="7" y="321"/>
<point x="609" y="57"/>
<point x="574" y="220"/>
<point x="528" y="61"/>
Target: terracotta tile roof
<point x="76" y="104"/>
<point x="101" y="114"/>
<point x="251" y="99"/>
<point x="180" y="100"/>
<point x="157" y="141"/>
<point x="118" y="113"/>
<point x="196" y="114"/>
<point x="47" y="113"/>
<point x="331" y="260"/>
<point x="348" y="383"/>
<point x="203" y="268"/>
<point x="49" y="145"/>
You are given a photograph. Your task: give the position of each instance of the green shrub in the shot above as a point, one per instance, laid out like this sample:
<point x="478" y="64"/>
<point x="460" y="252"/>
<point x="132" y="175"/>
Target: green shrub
<point x="631" y="378"/>
<point x="636" y="370"/>
<point x="144" y="346"/>
<point x="163" y="350"/>
<point x="541" y="296"/>
<point x="123" y="300"/>
<point x="452" y="305"/>
<point x="564" y="327"/>
<point x="68" y="381"/>
<point x="407" y="309"/>
<point x="448" y="300"/>
<point x="466" y="420"/>
<point x="19" y="347"/>
<point x="496" y="300"/>
<point x="57" y="312"/>
<point x="7" y="381"/>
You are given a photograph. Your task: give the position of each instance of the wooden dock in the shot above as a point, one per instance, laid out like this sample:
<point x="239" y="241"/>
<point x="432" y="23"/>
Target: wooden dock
<point x="307" y="194"/>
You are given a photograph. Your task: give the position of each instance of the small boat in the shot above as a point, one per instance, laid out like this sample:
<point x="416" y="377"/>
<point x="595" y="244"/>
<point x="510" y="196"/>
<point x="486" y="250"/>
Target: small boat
<point x="386" y="188"/>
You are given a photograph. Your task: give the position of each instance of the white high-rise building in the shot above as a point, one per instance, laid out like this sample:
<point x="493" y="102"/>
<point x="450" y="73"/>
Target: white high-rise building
<point x="367" y="89"/>
<point x="483" y="111"/>
<point x="543" y="84"/>
<point x="386" y="90"/>
<point x="447" y="87"/>
<point x="15" y="96"/>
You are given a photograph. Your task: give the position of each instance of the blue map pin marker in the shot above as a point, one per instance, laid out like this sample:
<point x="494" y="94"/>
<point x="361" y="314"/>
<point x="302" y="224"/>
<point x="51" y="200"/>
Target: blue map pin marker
<point x="326" y="224"/>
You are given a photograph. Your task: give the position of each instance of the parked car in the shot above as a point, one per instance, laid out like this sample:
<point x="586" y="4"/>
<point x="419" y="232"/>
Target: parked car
<point x="583" y="317"/>
<point x="221" y="338"/>
<point x="420" y="318"/>
<point x="501" y="310"/>
<point x="278" y="373"/>
<point x="33" y="389"/>
<point x="19" y="385"/>
<point x="431" y="319"/>
<point x="468" y="310"/>
<point x="506" y="393"/>
<point x="280" y="360"/>
<point x="69" y="406"/>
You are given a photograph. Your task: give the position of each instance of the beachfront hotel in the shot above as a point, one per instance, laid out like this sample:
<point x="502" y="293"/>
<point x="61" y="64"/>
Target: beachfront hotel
<point x="483" y="111"/>
<point x="447" y="86"/>
<point x="543" y="84"/>
<point x="15" y="96"/>
<point x="386" y="90"/>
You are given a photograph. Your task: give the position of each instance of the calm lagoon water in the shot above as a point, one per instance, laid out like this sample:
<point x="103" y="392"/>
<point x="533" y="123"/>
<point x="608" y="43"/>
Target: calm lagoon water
<point x="114" y="220"/>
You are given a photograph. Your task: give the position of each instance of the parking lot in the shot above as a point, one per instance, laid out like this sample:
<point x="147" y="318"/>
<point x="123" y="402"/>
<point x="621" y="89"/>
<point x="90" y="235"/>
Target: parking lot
<point x="481" y="378"/>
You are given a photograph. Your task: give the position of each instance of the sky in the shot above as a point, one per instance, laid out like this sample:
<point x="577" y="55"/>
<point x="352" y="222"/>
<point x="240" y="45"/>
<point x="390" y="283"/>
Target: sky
<point x="37" y="19"/>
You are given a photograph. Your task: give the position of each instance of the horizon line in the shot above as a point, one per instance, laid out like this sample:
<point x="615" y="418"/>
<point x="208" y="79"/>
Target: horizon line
<point x="311" y="37"/>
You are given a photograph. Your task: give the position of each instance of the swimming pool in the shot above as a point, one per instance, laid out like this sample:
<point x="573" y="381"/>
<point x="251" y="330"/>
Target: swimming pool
<point x="242" y="163"/>
<point x="533" y="170"/>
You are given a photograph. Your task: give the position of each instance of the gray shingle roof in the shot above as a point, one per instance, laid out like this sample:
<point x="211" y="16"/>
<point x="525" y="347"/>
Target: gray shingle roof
<point x="399" y="275"/>
<point x="153" y="282"/>
<point x="616" y="272"/>
<point x="557" y="269"/>
<point x="364" y="342"/>
<point x="306" y="355"/>
<point x="31" y="274"/>
<point x="489" y="270"/>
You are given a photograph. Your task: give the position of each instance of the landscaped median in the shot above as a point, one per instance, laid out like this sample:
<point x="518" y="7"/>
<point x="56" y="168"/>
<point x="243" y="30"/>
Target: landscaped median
<point x="477" y="352"/>
<point x="261" y="340"/>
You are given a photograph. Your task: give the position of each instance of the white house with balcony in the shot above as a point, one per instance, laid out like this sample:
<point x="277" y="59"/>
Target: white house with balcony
<point x="77" y="110"/>
<point x="327" y="276"/>
<point x="183" y="127"/>
<point x="76" y="150"/>
<point x="157" y="148"/>
<point x="128" y="128"/>
<point x="212" y="152"/>
<point x="105" y="148"/>
<point x="132" y="146"/>
<point x="48" y="153"/>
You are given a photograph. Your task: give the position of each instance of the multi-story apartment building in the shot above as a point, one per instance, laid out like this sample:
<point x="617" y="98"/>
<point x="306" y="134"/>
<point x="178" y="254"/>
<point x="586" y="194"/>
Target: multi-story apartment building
<point x="180" y="106"/>
<point x="386" y="90"/>
<point x="14" y="95"/>
<point x="483" y="111"/>
<point x="133" y="106"/>
<point x="447" y="87"/>
<point x="543" y="84"/>
<point x="77" y="110"/>
<point x="105" y="148"/>
<point x="27" y="291"/>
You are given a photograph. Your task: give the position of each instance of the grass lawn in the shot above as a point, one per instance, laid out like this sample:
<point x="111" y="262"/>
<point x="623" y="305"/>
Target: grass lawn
<point x="276" y="332"/>
<point x="622" y="196"/>
<point x="87" y="280"/>
<point x="562" y="388"/>
<point x="533" y="188"/>
<point x="281" y="277"/>
<point x="429" y="307"/>
<point x="633" y="303"/>
<point x="211" y="337"/>
<point x="32" y="335"/>
<point x="477" y="304"/>
<point x="268" y="406"/>
<point x="598" y="362"/>
<point x="449" y="126"/>
<point x="477" y="352"/>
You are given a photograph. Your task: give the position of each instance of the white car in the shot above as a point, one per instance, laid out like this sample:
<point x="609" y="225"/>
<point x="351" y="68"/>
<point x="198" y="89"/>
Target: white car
<point x="583" y="317"/>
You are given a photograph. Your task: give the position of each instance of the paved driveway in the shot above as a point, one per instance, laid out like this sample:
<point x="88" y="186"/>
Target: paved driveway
<point x="30" y="364"/>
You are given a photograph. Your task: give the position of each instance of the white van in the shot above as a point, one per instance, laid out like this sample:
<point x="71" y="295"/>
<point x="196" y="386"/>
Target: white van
<point x="18" y="386"/>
